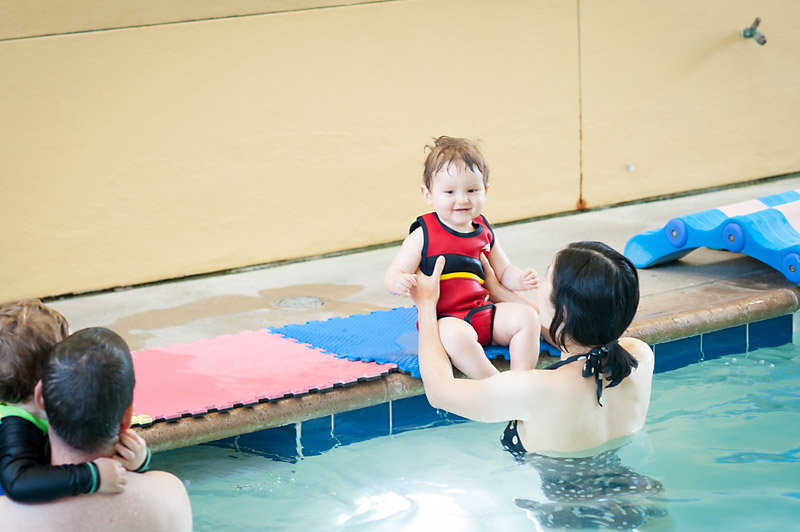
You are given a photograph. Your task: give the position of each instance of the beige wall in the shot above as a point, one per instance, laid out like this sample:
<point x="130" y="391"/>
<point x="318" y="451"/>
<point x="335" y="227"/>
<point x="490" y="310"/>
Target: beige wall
<point x="141" y="154"/>
<point x="35" y="18"/>
<point x="673" y="88"/>
<point x="145" y="153"/>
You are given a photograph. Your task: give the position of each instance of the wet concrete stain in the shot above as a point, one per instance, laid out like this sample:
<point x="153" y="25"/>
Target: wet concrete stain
<point x="236" y="313"/>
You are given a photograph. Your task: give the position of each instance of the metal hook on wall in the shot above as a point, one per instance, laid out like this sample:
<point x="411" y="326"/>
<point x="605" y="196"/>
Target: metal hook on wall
<point x="751" y="32"/>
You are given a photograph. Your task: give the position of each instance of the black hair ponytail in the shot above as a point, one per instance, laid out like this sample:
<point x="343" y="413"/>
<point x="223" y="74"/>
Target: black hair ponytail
<point x="617" y="363"/>
<point x="595" y="296"/>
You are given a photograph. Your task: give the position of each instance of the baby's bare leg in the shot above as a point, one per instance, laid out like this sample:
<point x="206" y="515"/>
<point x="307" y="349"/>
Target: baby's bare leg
<point x="461" y="343"/>
<point x="517" y="326"/>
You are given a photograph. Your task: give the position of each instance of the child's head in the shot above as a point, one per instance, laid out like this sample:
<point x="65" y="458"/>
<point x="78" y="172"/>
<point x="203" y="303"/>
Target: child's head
<point x="450" y="150"/>
<point x="28" y="332"/>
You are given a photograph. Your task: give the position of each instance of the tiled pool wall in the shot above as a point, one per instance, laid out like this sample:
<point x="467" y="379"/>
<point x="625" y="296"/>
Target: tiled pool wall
<point x="740" y="339"/>
<point x="313" y="437"/>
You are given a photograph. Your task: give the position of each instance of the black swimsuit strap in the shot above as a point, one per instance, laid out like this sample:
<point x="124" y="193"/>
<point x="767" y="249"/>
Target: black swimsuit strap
<point x="592" y="366"/>
<point x="573" y="358"/>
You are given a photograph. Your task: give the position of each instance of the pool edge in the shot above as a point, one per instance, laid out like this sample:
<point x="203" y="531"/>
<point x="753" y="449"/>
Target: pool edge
<point x="748" y="299"/>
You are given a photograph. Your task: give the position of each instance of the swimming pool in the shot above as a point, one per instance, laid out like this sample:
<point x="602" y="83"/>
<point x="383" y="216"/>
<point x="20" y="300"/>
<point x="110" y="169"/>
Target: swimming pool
<point x="722" y="440"/>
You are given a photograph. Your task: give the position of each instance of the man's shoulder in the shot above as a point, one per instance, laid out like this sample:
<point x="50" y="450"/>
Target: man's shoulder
<point x="157" y="486"/>
<point x="156" y="475"/>
<point x="153" y="501"/>
<point x="165" y="496"/>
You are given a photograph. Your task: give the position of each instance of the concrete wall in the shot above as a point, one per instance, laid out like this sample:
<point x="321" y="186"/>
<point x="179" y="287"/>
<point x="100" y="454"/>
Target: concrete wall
<point x="157" y="148"/>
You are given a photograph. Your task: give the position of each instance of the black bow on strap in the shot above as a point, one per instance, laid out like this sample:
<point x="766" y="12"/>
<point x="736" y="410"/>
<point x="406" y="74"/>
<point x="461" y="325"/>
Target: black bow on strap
<point x="594" y="366"/>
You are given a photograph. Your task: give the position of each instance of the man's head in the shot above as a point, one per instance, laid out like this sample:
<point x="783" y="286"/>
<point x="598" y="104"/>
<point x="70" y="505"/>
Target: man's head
<point x="29" y="330"/>
<point x="87" y="388"/>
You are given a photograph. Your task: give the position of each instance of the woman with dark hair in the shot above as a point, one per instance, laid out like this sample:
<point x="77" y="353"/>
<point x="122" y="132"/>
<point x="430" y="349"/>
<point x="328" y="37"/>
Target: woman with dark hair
<point x="567" y="419"/>
<point x="599" y="391"/>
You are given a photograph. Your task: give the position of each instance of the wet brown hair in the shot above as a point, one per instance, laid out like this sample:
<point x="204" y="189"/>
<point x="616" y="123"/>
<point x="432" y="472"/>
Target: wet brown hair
<point x="446" y="150"/>
<point x="29" y="330"/>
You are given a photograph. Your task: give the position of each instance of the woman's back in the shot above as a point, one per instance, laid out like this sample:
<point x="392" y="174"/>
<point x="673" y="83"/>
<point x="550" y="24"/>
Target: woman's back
<point x="565" y="415"/>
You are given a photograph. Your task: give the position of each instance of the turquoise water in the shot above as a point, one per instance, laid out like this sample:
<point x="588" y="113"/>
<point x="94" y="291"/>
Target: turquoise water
<point x="722" y="438"/>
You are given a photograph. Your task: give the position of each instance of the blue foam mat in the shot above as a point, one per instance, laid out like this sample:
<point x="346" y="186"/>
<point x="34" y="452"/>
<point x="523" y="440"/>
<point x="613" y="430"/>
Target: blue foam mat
<point x="765" y="235"/>
<point x="384" y="336"/>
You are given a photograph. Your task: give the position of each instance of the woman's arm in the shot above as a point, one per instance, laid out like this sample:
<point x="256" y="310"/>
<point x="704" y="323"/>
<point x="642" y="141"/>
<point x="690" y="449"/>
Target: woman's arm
<point x="508" y="395"/>
<point x="497" y="292"/>
<point x="510" y="276"/>
<point x="500" y="294"/>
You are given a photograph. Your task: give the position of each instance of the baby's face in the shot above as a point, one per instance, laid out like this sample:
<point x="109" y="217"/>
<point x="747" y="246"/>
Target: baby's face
<point x="458" y="195"/>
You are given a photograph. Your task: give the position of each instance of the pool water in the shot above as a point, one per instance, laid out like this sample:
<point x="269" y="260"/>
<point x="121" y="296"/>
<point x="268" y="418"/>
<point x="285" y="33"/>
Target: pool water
<point x="722" y="444"/>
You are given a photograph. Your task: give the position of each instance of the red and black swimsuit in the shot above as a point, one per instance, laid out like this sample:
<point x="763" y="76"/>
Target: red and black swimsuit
<point x="462" y="294"/>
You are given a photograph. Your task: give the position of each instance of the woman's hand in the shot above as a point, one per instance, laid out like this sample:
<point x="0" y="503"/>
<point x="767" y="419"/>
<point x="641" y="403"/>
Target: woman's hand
<point x="497" y="292"/>
<point x="426" y="292"/>
<point x="490" y="280"/>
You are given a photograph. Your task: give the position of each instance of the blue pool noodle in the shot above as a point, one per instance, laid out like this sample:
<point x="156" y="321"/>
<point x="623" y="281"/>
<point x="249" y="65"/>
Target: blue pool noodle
<point x="765" y="235"/>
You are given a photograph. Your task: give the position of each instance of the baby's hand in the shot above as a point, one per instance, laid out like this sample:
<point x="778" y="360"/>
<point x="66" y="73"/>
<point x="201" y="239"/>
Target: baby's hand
<point x="404" y="284"/>
<point x="529" y="279"/>
<point x="112" y="475"/>
<point x="131" y="450"/>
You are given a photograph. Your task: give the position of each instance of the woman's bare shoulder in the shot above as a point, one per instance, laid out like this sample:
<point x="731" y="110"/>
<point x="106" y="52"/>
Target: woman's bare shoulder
<point x="638" y="349"/>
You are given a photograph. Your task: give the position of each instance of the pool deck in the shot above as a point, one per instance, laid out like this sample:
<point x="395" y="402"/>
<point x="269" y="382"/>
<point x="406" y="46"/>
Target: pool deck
<point x="704" y="291"/>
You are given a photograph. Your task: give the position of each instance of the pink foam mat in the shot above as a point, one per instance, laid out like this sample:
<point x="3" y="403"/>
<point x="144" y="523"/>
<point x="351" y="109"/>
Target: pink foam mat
<point x="235" y="370"/>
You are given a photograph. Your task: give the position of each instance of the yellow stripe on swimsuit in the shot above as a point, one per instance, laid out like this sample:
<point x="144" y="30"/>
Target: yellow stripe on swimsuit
<point x="465" y="275"/>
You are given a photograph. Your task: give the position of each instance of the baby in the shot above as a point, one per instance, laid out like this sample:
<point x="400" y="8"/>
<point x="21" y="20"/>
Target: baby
<point x="456" y="179"/>
<point x="29" y="330"/>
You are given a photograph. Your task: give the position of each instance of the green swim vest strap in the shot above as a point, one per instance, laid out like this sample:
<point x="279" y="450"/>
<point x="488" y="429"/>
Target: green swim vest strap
<point x="146" y="464"/>
<point x="93" y="469"/>
<point x="7" y="410"/>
